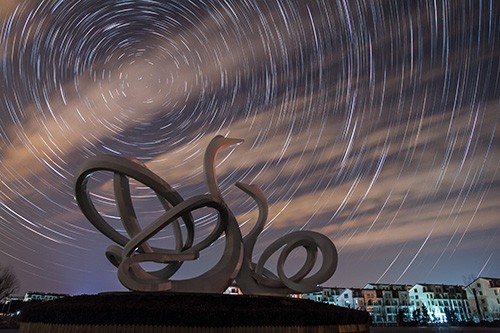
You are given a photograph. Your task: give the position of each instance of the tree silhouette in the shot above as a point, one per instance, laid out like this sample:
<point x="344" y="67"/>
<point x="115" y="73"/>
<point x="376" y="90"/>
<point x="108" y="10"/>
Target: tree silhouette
<point x="425" y="316"/>
<point x="402" y="317"/>
<point x="9" y="283"/>
<point x="451" y="316"/>
<point x="416" y="315"/>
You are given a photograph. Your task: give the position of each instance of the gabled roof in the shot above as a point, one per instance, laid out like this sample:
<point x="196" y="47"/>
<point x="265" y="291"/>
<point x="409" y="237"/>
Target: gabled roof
<point x="439" y="285"/>
<point x="494" y="282"/>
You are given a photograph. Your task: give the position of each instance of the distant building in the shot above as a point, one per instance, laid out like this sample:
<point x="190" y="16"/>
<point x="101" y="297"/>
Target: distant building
<point x="386" y="301"/>
<point x="386" y="286"/>
<point x="38" y="296"/>
<point x="352" y="298"/>
<point x="443" y="302"/>
<point x="233" y="289"/>
<point x="9" y="299"/>
<point x="325" y="295"/>
<point x="10" y="305"/>
<point x="393" y="304"/>
<point x="370" y="298"/>
<point x="483" y="295"/>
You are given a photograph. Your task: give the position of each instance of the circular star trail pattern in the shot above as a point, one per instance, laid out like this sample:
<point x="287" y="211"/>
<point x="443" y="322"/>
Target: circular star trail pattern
<point x="372" y="122"/>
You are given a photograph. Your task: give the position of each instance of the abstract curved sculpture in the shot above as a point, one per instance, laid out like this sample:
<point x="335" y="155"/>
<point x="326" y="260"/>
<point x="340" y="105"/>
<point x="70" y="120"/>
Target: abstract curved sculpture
<point x="235" y="263"/>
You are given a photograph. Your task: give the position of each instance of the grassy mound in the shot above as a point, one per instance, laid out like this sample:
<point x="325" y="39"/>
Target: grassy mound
<point x="189" y="310"/>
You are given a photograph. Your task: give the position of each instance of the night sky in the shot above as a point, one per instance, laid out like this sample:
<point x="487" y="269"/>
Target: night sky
<point x="375" y="123"/>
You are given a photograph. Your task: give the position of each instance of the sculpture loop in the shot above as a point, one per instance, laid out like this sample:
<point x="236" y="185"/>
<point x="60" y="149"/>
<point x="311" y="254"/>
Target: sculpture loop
<point x="236" y="261"/>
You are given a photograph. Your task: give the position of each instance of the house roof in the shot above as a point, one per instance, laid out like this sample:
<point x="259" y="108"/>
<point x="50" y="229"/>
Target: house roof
<point x="494" y="282"/>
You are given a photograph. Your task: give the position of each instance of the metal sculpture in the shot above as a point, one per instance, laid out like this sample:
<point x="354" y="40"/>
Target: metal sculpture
<point x="235" y="263"/>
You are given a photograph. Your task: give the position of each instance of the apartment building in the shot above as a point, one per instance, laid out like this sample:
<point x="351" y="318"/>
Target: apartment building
<point x="325" y="295"/>
<point x="352" y="298"/>
<point x="389" y="304"/>
<point x="38" y="296"/>
<point x="443" y="302"/>
<point x="388" y="301"/>
<point x="483" y="295"/>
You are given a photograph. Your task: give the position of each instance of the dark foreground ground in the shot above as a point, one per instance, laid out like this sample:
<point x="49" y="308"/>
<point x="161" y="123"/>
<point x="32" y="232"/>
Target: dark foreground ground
<point x="398" y="329"/>
<point x="170" y="309"/>
<point x="434" y="329"/>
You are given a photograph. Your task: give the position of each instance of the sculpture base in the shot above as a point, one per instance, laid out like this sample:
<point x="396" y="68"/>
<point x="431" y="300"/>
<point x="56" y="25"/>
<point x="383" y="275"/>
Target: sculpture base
<point x="162" y="312"/>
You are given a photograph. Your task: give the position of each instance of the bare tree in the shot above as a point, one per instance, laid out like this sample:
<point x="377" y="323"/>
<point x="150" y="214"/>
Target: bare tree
<point x="468" y="279"/>
<point x="9" y="283"/>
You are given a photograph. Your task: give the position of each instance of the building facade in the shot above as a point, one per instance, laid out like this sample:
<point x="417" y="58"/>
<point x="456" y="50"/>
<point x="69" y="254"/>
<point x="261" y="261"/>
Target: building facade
<point x="394" y="304"/>
<point x="442" y="303"/>
<point x="389" y="300"/>
<point x="483" y="295"/>
<point x="233" y="289"/>
<point x="10" y="305"/>
<point x="352" y="298"/>
<point x="325" y="295"/>
<point x="42" y="297"/>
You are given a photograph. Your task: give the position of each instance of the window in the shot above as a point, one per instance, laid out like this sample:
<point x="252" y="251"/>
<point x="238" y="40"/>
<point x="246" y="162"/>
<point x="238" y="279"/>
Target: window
<point x="346" y="296"/>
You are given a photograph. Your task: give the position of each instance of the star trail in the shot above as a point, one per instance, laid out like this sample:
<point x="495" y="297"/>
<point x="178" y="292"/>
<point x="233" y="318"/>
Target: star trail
<point x="372" y="122"/>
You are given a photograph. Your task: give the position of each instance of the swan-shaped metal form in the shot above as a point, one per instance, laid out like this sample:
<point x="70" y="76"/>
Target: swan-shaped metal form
<point x="236" y="261"/>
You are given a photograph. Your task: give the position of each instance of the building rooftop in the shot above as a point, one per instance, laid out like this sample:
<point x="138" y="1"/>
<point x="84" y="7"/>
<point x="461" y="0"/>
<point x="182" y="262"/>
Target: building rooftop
<point x="494" y="282"/>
